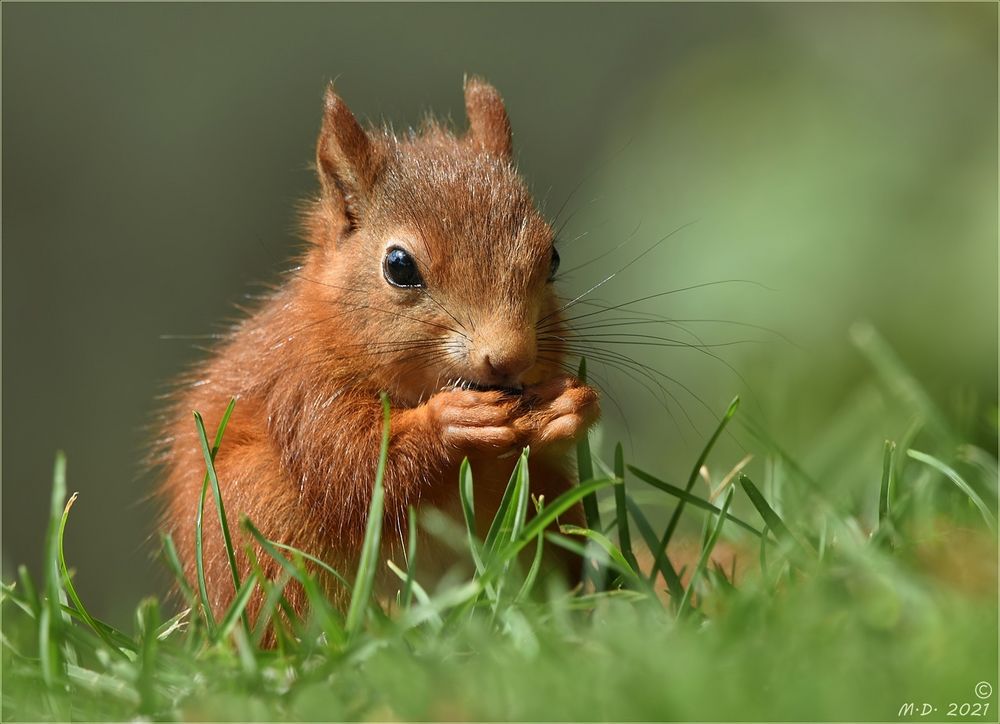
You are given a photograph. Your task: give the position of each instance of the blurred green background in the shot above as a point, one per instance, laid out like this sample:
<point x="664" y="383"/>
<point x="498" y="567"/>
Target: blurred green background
<point x="844" y="156"/>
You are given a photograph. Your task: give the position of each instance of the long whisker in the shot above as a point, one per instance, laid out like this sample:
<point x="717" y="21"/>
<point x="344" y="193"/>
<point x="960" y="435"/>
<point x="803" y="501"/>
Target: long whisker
<point x="443" y="309"/>
<point x="582" y="234"/>
<point x="588" y="176"/>
<point x="653" y="318"/>
<point x="646" y="298"/>
<point x="636" y="365"/>
<point x="667" y="342"/>
<point x="619" y="271"/>
<point x="623" y="364"/>
<point x="620" y="245"/>
<point x="632" y="372"/>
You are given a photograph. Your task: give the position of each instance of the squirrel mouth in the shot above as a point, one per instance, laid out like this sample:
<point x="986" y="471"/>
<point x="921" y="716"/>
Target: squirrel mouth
<point x="464" y="384"/>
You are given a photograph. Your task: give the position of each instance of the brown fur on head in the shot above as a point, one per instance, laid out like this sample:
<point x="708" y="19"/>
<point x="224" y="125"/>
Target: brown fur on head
<point x="457" y="208"/>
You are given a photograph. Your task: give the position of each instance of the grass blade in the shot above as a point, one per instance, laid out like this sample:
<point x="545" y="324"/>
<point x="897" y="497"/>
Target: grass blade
<point x="297" y="570"/>
<point x="610" y="548"/>
<point x="51" y="617"/>
<point x="985" y="463"/>
<point x="172" y="624"/>
<point x="549" y="513"/>
<point x="688" y="497"/>
<point x="273" y="597"/>
<point x="561" y="541"/>
<point x="585" y="466"/>
<point x="199" y="538"/>
<point x="411" y="557"/>
<point x="322" y="612"/>
<point x="418" y="592"/>
<point x="30" y="592"/>
<point x="364" y="581"/>
<point x="148" y="622"/>
<point x="271" y="548"/>
<point x="503" y="520"/>
<point x="763" y="556"/>
<point x="465" y="495"/>
<point x="898" y="378"/>
<point x="532" y="574"/>
<point x="453" y="600"/>
<point x="199" y="558"/>
<point x="706" y="553"/>
<point x="227" y="539"/>
<point x="675" y="518"/>
<point x="173" y="562"/>
<point x="666" y="568"/>
<point x="521" y="500"/>
<point x="275" y="592"/>
<point x="560" y="505"/>
<point x="68" y="582"/>
<point x="888" y="455"/>
<point x="772" y="519"/>
<point x="507" y="527"/>
<point x="758" y="431"/>
<point x="237" y="609"/>
<point x="959" y="482"/>
<point x="536" y="527"/>
<point x="289" y="568"/>
<point x="621" y="511"/>
<point x="313" y="559"/>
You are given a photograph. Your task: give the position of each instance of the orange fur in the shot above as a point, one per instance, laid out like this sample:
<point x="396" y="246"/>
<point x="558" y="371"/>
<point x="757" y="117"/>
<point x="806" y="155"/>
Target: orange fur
<point x="459" y="359"/>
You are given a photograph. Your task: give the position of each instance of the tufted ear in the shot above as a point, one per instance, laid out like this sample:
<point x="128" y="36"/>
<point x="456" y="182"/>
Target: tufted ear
<point x="489" y="127"/>
<point x="345" y="158"/>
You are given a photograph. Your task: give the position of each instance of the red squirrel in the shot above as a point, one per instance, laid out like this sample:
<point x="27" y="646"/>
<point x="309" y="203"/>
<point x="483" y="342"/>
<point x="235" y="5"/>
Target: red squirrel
<point x="428" y="275"/>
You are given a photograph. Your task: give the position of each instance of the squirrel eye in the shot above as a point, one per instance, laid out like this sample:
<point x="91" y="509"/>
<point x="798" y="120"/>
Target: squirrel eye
<point x="554" y="264"/>
<point x="400" y="269"/>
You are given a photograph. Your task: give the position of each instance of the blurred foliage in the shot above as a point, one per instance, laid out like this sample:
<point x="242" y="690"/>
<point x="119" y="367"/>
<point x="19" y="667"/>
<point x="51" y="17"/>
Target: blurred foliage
<point x="843" y="157"/>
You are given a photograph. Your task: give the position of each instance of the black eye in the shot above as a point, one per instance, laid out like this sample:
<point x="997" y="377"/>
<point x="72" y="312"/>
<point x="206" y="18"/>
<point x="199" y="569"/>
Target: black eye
<point x="400" y="269"/>
<point x="554" y="264"/>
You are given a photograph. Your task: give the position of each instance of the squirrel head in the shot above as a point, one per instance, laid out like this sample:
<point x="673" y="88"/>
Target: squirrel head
<point x="430" y="253"/>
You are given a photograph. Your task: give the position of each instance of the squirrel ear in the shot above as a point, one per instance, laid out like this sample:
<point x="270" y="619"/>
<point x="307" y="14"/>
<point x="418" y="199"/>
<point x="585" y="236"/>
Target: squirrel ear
<point x="489" y="127"/>
<point x="345" y="159"/>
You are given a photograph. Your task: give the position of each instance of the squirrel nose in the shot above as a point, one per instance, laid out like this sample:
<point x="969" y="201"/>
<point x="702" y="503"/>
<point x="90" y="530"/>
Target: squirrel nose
<point x="505" y="365"/>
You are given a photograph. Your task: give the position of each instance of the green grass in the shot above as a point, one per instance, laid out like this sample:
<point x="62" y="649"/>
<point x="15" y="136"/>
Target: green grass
<point x="849" y="610"/>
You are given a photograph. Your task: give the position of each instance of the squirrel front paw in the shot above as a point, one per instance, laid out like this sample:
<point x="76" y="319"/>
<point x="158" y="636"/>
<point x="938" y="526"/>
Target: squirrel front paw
<point x="478" y="419"/>
<point x="547" y="416"/>
<point x="559" y="412"/>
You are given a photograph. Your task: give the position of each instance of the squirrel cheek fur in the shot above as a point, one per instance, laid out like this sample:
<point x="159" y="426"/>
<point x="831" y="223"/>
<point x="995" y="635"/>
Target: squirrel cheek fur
<point x="458" y="355"/>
